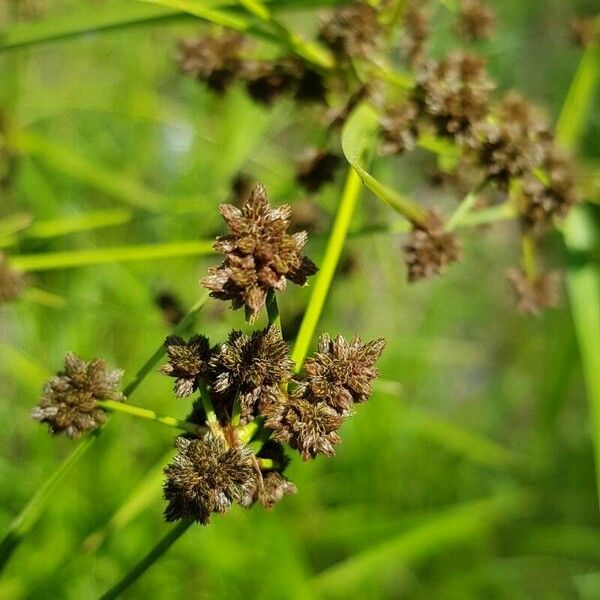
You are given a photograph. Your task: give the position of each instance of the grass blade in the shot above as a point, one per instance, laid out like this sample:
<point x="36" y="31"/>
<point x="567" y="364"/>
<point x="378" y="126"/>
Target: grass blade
<point x="359" y="134"/>
<point x="459" y="525"/>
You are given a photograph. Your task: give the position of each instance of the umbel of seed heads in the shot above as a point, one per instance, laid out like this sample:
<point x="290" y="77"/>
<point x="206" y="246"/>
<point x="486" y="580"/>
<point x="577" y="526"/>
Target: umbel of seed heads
<point x="68" y="404"/>
<point x="211" y="473"/>
<point x="260" y="254"/>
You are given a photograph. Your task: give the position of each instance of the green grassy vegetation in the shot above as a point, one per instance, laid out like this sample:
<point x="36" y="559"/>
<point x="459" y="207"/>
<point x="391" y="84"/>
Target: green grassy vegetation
<point x="471" y="471"/>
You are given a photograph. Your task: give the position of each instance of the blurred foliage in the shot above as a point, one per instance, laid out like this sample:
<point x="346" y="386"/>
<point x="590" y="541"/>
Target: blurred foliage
<point x="470" y="472"/>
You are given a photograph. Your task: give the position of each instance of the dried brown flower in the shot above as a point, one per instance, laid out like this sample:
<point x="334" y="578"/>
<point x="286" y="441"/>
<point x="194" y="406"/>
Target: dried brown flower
<point x="535" y="295"/>
<point x="68" y="403"/>
<point x="429" y="249"/>
<point x="509" y="144"/>
<point x="542" y="202"/>
<point x="12" y="283"/>
<point x="399" y="128"/>
<point x="170" y="306"/>
<point x="311" y="428"/>
<point x="266" y="81"/>
<point x="316" y="168"/>
<point x="275" y="487"/>
<point x="206" y="477"/>
<point x="341" y="372"/>
<point x="416" y="21"/>
<point x="213" y="59"/>
<point x="188" y="361"/>
<point x="455" y="93"/>
<point x="476" y="20"/>
<point x="260" y="254"/>
<point x="251" y="367"/>
<point x="352" y="31"/>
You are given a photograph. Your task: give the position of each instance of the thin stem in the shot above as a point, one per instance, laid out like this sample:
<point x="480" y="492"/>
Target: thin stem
<point x="333" y="252"/>
<point x="209" y="409"/>
<point x="465" y="207"/>
<point x="29" y="515"/>
<point x="528" y="257"/>
<point x="157" y="552"/>
<point x="21" y="525"/>
<point x="247" y="432"/>
<point x="96" y="256"/>
<point x="150" y="415"/>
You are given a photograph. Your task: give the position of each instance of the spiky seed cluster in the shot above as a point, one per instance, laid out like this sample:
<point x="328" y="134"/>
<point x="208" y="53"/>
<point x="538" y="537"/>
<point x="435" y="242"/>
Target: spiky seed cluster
<point x="311" y="428"/>
<point x="341" y="372"/>
<point x="260" y="254"/>
<point x="12" y="283"/>
<point x="543" y="201"/>
<point x="205" y="477"/>
<point x="352" y="31"/>
<point x="476" y="20"/>
<point x="429" y="249"/>
<point x="338" y="376"/>
<point x="213" y="59"/>
<point x="399" y="128"/>
<point x="415" y="38"/>
<point x="251" y="367"/>
<point x="267" y="81"/>
<point x="534" y="295"/>
<point x="315" y="168"/>
<point x="508" y="143"/>
<point x="188" y="361"/>
<point x="68" y="404"/>
<point x="275" y="487"/>
<point x="455" y="93"/>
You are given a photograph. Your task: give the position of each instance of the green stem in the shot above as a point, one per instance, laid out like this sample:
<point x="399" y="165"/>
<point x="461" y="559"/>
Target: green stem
<point x="29" y="515"/>
<point x="157" y="552"/>
<point x="528" y="257"/>
<point x="465" y="207"/>
<point x="150" y="415"/>
<point x="96" y="256"/>
<point x="273" y="309"/>
<point x="333" y="252"/>
<point x="21" y="525"/>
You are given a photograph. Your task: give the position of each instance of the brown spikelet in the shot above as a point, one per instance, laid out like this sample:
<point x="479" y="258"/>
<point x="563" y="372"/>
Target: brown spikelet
<point x="315" y="168"/>
<point x="534" y="295"/>
<point x="206" y="477"/>
<point x="399" y="129"/>
<point x="476" y="20"/>
<point x="429" y="249"/>
<point x="214" y="60"/>
<point x="188" y="361"/>
<point x="68" y="403"/>
<point x="260" y="254"/>
<point x="12" y="282"/>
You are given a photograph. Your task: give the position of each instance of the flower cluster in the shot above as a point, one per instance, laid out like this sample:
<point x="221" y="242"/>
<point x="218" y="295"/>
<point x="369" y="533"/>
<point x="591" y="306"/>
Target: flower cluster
<point x="69" y="401"/>
<point x="260" y="254"/>
<point x="249" y="391"/>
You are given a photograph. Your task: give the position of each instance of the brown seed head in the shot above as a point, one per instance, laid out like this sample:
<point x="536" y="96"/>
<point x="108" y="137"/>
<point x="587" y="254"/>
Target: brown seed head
<point x="188" y="361"/>
<point x="68" y="403"/>
<point x="12" y="283"/>
<point x="206" y="477"/>
<point x="476" y="20"/>
<point x="315" y="168"/>
<point x="535" y="295"/>
<point x="260" y="254"/>
<point x="399" y="128"/>
<point x="214" y="60"/>
<point x="429" y="249"/>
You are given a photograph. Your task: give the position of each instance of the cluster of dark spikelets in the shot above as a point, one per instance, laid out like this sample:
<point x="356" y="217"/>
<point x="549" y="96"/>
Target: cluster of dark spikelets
<point x="336" y="378"/>
<point x="12" y="283"/>
<point x="188" y="362"/>
<point x="454" y="93"/>
<point x="68" y="404"/>
<point x="206" y="476"/>
<point x="260" y="254"/>
<point x="545" y="198"/>
<point x="399" y="128"/>
<point x="216" y="60"/>
<point x="508" y="142"/>
<point x="315" y="168"/>
<point x="352" y="31"/>
<point x="416" y="34"/>
<point x="534" y="294"/>
<point x="429" y="248"/>
<point x="476" y="20"/>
